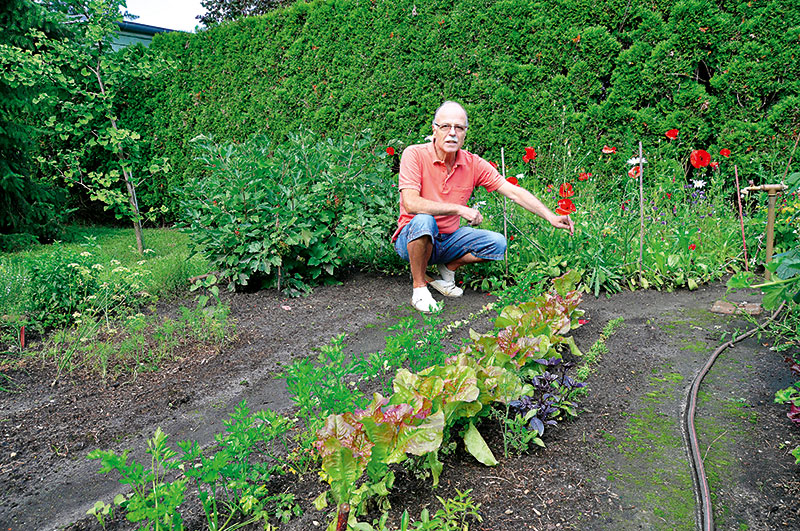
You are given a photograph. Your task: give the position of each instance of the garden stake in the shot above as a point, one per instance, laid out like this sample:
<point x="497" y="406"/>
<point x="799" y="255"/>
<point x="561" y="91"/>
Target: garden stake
<point x="641" y="212"/>
<point x="741" y="217"/>
<point x="505" y="218"/>
<point x="22" y="337"/>
<point x="772" y="193"/>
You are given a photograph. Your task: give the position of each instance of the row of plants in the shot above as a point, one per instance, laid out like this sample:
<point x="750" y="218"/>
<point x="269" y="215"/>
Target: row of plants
<point x="427" y="408"/>
<point x="678" y="233"/>
<point x="518" y="366"/>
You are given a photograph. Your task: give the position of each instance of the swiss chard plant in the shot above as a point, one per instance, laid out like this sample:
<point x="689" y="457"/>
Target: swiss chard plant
<point x="426" y="405"/>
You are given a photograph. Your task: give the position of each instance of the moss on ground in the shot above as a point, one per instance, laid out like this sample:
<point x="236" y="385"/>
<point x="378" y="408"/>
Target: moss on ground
<point x="654" y="474"/>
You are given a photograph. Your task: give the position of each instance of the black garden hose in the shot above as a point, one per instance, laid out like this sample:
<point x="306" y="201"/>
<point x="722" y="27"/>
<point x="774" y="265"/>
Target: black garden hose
<point x="704" y="511"/>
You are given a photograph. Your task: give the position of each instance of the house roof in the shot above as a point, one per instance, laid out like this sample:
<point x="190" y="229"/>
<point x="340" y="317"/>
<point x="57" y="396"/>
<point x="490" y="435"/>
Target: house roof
<point x="142" y="29"/>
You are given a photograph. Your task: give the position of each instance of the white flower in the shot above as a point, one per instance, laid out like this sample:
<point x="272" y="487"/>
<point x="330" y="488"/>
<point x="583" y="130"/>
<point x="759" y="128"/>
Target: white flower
<point x="698" y="184"/>
<point x="114" y="262"/>
<point x="141" y="262"/>
<point x="86" y="253"/>
<point x="148" y="251"/>
<point x="97" y="266"/>
<point x="73" y="265"/>
<point x="480" y="204"/>
<point x="120" y="269"/>
<point x="520" y="175"/>
<point x="636" y="160"/>
<point x="76" y="315"/>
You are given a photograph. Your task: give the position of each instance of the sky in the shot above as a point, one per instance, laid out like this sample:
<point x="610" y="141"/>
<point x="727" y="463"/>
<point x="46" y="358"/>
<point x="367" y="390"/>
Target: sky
<point x="170" y="14"/>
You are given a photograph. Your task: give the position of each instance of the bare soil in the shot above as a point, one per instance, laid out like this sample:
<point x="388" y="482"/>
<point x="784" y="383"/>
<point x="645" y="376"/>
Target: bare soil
<point x="621" y="464"/>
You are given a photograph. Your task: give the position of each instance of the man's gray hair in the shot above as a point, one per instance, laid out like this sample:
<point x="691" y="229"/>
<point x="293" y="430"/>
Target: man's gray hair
<point x="449" y="102"/>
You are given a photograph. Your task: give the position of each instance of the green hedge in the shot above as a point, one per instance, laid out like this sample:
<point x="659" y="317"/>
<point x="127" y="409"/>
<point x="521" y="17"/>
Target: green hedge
<point x="564" y="76"/>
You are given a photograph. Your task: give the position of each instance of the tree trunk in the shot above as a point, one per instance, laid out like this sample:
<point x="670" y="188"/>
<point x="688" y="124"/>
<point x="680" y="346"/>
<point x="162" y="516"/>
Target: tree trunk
<point x="137" y="218"/>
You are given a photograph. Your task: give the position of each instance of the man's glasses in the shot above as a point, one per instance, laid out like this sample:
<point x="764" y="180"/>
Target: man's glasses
<point x="445" y="128"/>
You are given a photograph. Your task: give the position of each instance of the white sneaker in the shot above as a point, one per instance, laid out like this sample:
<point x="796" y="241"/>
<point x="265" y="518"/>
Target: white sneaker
<point x="448" y="289"/>
<point x="422" y="300"/>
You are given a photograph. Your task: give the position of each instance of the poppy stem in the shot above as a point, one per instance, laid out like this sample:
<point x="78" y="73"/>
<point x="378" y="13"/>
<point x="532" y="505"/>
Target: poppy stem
<point x="641" y="213"/>
<point x="505" y="217"/>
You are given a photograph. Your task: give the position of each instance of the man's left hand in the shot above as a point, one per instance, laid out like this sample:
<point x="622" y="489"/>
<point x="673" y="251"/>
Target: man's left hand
<point x="563" y="222"/>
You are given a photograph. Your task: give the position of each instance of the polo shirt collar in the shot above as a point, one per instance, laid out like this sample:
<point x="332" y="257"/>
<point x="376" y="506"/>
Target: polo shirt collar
<point x="460" y="156"/>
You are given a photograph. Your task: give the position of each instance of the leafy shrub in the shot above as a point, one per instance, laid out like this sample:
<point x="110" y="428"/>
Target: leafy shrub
<point x="283" y="216"/>
<point x="59" y="286"/>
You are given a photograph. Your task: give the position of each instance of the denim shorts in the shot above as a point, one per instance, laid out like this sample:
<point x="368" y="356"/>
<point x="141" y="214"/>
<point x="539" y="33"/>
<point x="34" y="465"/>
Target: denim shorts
<point x="448" y="247"/>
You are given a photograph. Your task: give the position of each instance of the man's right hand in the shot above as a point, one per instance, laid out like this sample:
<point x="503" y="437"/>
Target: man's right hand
<point x="472" y="216"/>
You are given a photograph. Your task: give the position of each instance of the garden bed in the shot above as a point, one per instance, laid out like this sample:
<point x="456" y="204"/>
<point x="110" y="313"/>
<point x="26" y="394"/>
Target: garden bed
<point x="620" y="465"/>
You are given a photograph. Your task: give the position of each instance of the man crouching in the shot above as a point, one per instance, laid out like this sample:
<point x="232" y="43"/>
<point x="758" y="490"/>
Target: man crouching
<point x="436" y="181"/>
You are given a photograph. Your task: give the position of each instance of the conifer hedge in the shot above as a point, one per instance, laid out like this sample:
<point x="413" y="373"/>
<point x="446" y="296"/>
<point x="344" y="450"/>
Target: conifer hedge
<point x="550" y="74"/>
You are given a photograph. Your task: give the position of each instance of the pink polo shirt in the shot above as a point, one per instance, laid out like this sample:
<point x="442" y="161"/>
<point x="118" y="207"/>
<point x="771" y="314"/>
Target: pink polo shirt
<point x="420" y="169"/>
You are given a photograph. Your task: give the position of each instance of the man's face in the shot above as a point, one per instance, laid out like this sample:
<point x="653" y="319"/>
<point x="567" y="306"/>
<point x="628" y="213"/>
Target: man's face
<point x="450" y="139"/>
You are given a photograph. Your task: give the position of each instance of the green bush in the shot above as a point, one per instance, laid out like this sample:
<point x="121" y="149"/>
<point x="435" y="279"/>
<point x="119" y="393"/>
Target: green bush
<point x="283" y="215"/>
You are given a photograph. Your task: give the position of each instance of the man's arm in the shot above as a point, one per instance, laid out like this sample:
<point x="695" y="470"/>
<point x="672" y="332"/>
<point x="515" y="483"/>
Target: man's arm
<point x="529" y="202"/>
<point x="415" y="204"/>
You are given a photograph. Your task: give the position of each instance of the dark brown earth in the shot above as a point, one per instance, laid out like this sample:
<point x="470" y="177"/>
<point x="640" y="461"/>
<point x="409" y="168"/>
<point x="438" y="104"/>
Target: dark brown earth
<point x="620" y="465"/>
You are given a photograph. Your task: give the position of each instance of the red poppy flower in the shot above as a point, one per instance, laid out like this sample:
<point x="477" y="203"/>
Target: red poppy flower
<point x="530" y="154"/>
<point x="494" y="164"/>
<point x="699" y="158"/>
<point x="583" y="176"/>
<point x="236" y="232"/>
<point x="669" y="195"/>
<point x="583" y="321"/>
<point x="565" y="190"/>
<point x="390" y="151"/>
<point x="692" y="247"/>
<point x="214" y="201"/>
<point x="634" y="172"/>
<point x="513" y="180"/>
<point x="672" y="134"/>
<point x="714" y="165"/>
<point x="565" y="207"/>
<point x="511" y="238"/>
<point x="725" y="152"/>
<point x="608" y="150"/>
